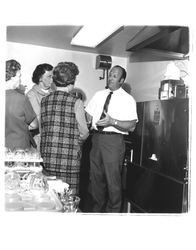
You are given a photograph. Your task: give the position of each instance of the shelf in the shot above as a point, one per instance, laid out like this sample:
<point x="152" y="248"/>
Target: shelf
<point x="23" y="160"/>
<point x="24" y="169"/>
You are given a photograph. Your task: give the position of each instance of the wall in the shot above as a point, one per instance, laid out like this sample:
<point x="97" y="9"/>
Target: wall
<point x="145" y="78"/>
<point x="142" y="77"/>
<point x="30" y="56"/>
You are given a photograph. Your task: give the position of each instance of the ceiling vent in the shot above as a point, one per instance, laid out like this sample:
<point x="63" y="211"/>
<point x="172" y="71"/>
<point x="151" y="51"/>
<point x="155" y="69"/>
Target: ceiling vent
<point x="170" y="40"/>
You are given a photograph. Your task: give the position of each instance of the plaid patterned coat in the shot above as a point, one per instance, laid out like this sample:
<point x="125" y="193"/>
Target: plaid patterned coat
<point x="60" y="144"/>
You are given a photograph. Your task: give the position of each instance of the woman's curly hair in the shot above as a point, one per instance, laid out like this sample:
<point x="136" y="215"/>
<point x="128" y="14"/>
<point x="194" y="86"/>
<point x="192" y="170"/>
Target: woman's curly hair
<point x="12" y="66"/>
<point x="40" y="71"/>
<point x="65" y="73"/>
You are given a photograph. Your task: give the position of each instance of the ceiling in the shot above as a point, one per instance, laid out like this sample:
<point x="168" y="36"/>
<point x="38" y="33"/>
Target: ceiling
<point x="138" y="43"/>
<point x="60" y="37"/>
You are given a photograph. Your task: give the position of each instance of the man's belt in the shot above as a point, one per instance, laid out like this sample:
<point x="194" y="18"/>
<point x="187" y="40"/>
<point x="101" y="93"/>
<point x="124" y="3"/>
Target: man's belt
<point x="104" y="132"/>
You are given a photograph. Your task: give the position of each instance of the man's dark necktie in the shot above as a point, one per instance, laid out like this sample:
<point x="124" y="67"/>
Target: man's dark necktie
<point x="105" y="109"/>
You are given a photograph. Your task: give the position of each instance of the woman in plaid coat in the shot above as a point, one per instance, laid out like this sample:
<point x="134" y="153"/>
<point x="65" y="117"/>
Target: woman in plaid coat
<point x="63" y="127"/>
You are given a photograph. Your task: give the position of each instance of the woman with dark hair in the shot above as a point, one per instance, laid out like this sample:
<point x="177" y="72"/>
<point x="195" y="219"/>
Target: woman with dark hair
<point x="19" y="113"/>
<point x="63" y="127"/>
<point x="42" y="77"/>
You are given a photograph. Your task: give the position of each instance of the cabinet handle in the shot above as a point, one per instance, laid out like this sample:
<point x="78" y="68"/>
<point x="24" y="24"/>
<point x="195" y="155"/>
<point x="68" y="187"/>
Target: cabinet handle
<point x="131" y="157"/>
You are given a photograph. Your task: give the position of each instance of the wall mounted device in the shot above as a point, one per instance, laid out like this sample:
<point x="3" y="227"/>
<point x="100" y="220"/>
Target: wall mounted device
<point x="103" y="62"/>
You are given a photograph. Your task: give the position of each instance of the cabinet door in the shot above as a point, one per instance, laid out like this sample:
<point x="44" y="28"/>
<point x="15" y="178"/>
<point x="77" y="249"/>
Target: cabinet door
<point x="165" y="137"/>
<point x="137" y="135"/>
<point x="151" y="192"/>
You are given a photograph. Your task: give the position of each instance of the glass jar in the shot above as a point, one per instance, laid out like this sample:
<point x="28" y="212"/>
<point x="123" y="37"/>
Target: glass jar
<point x="12" y="182"/>
<point x="38" y="183"/>
<point x="70" y="203"/>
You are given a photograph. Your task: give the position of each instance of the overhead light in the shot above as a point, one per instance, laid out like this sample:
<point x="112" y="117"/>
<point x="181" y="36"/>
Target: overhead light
<point x="92" y="35"/>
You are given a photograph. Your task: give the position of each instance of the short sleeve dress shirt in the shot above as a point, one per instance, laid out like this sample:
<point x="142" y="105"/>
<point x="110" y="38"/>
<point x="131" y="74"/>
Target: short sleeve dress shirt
<point x="122" y="107"/>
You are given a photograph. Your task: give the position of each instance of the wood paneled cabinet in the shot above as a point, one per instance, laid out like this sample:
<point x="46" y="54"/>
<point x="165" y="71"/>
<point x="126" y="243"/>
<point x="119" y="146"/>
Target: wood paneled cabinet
<point x="158" y="176"/>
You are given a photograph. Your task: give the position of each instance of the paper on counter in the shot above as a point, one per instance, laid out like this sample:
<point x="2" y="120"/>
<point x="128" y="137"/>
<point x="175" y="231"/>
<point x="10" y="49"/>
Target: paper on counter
<point x="58" y="185"/>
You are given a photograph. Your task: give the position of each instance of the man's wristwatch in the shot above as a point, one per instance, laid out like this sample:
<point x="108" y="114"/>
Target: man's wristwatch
<point x="115" y="122"/>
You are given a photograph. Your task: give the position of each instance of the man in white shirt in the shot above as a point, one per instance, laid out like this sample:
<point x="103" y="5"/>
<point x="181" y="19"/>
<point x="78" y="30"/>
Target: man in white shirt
<point x="108" y="146"/>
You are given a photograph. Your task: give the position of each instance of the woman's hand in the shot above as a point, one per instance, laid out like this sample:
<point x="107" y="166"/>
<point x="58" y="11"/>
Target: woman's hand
<point x="34" y="124"/>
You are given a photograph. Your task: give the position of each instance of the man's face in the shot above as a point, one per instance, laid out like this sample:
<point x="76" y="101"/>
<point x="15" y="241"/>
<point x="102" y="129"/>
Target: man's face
<point x="46" y="79"/>
<point x="114" y="79"/>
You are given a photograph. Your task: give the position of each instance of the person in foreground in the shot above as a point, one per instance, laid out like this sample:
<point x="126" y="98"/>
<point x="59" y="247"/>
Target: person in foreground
<point x="42" y="77"/>
<point x="63" y="127"/>
<point x="110" y="120"/>
<point x="19" y="114"/>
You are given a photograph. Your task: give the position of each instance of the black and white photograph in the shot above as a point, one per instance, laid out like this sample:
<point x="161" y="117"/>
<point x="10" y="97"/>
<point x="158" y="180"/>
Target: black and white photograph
<point x="104" y="122"/>
<point x="97" y="132"/>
